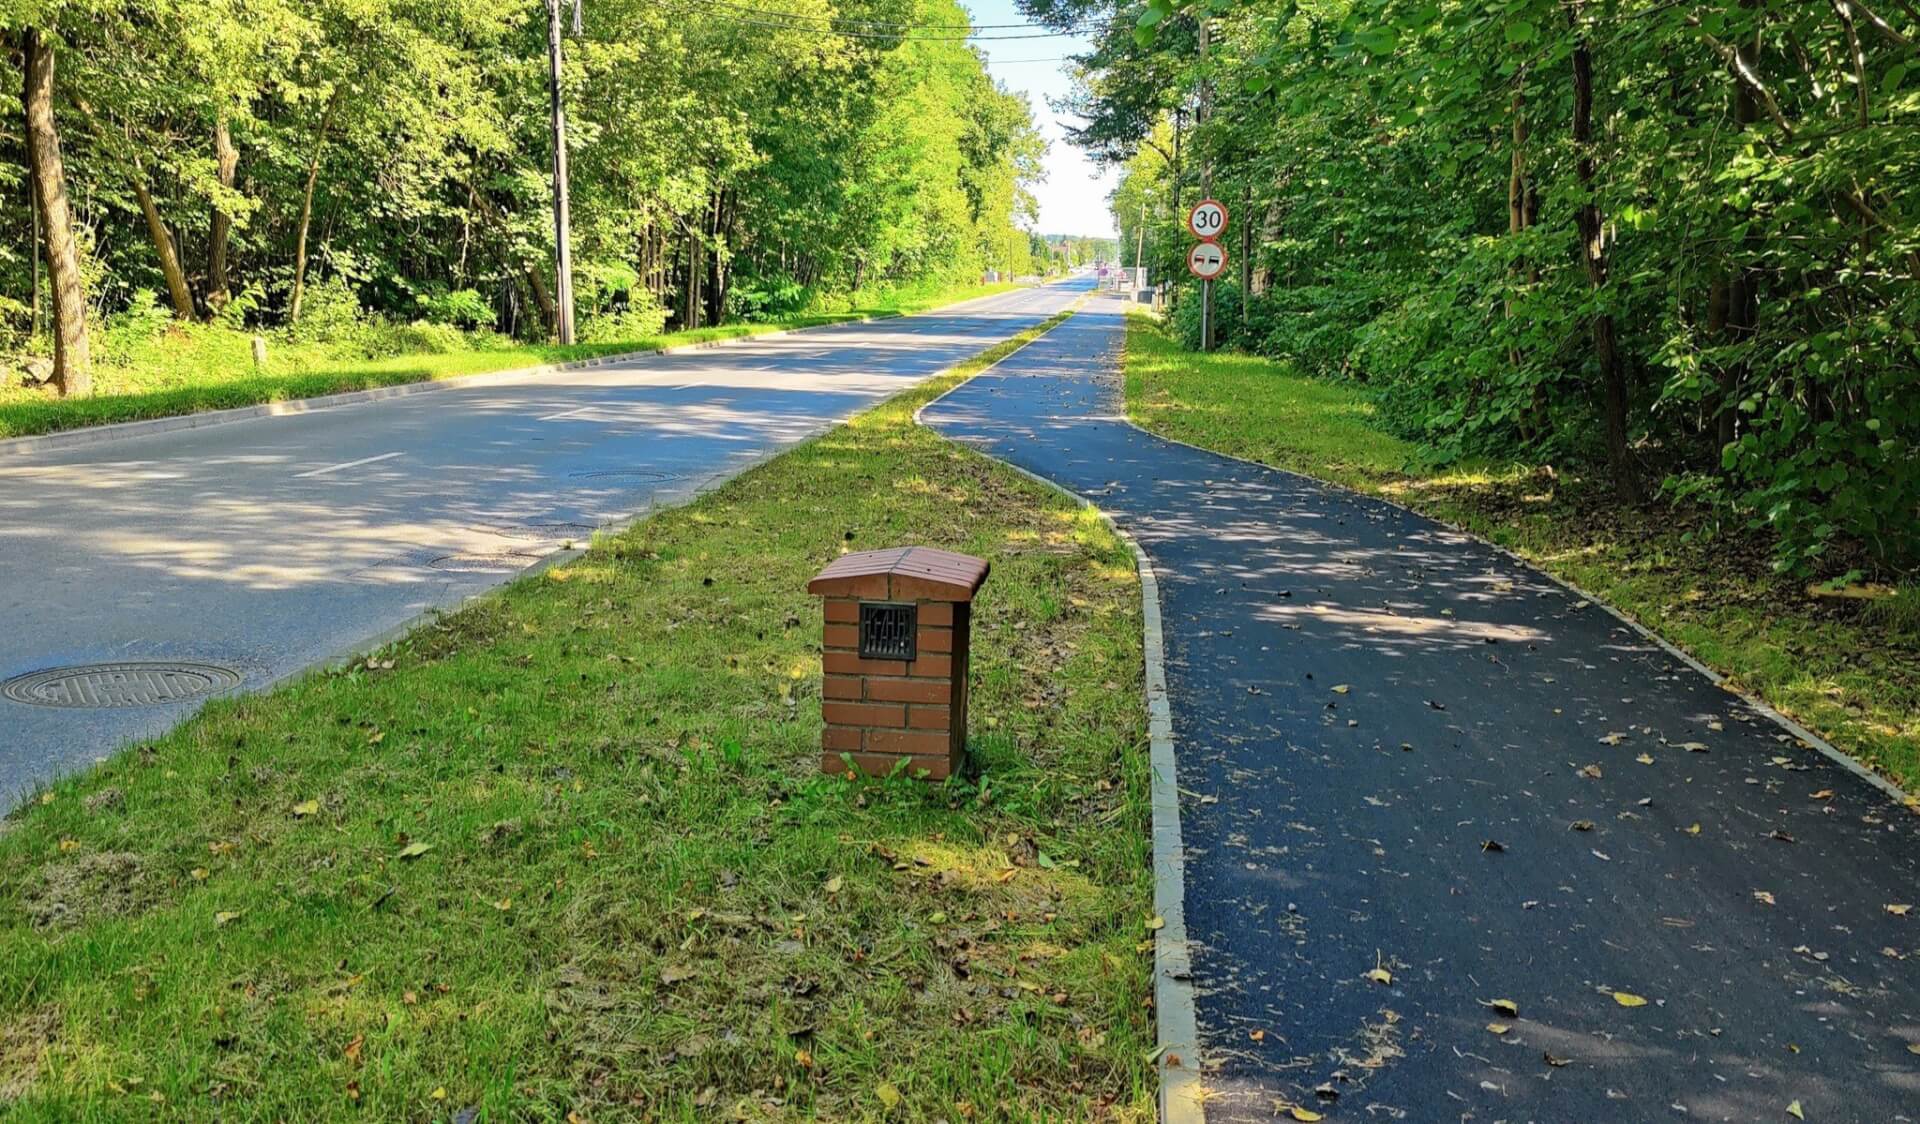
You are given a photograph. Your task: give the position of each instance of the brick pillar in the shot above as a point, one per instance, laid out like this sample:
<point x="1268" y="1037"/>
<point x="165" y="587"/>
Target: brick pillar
<point x="879" y="710"/>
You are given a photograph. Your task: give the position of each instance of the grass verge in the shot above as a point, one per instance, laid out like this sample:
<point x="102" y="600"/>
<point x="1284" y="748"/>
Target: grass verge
<point x="568" y="856"/>
<point x="196" y="368"/>
<point x="1847" y="670"/>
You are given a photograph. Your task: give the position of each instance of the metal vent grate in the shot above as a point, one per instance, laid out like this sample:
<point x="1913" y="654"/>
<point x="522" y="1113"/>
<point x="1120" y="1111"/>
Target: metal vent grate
<point x="886" y="631"/>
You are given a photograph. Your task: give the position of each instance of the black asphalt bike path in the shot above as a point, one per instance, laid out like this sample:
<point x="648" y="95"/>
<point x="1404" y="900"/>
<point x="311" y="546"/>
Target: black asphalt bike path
<point x="1401" y="749"/>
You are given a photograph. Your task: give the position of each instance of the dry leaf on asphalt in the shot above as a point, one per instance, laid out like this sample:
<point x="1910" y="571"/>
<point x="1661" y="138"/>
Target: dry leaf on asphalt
<point x="1900" y="910"/>
<point x="1296" y="1112"/>
<point x="1628" y="999"/>
<point x="1380" y="975"/>
<point x="1505" y="1007"/>
<point x="1342" y="689"/>
<point x="1763" y="897"/>
<point x="1793" y="1110"/>
<point x="1499" y="1028"/>
<point x="1645" y="759"/>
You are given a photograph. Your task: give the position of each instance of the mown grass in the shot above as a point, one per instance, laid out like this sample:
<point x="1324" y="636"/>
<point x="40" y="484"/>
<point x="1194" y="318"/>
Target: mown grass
<point x="195" y="368"/>
<point x="632" y="894"/>
<point x="1848" y="670"/>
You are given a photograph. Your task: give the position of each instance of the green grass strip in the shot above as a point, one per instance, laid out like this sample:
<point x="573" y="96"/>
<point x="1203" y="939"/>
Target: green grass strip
<point x="571" y="852"/>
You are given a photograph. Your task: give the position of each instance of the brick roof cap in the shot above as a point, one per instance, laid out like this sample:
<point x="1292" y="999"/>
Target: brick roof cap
<point x="952" y="577"/>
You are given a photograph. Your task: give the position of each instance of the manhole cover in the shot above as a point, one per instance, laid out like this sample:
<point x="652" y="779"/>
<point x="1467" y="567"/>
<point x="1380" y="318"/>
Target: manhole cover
<point x="544" y="532"/>
<point x="494" y="562"/>
<point x="119" y="684"/>
<point x="626" y="474"/>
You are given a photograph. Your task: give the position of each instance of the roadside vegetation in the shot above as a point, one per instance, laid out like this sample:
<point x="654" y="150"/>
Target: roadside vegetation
<point x="567" y="854"/>
<point x="1846" y="667"/>
<point x="152" y="365"/>
<point x="1674" y="248"/>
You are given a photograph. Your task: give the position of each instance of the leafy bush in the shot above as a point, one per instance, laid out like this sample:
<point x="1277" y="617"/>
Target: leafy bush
<point x="462" y="308"/>
<point x="640" y="319"/>
<point x="329" y="312"/>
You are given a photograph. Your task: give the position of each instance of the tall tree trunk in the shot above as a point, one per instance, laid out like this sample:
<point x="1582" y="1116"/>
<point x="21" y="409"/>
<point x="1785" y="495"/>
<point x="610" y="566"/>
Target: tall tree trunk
<point x="1739" y="310"/>
<point x="1593" y="255"/>
<point x="306" y="208"/>
<point x="33" y="251"/>
<point x="72" y="355"/>
<point x="163" y="247"/>
<point x="227" y="161"/>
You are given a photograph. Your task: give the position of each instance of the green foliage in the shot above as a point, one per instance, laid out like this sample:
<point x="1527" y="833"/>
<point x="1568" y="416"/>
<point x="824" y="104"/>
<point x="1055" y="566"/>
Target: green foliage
<point x="710" y="156"/>
<point x="1411" y="178"/>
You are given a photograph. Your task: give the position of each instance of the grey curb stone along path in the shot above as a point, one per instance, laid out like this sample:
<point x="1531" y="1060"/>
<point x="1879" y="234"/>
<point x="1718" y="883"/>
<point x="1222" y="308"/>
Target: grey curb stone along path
<point x="1419" y="777"/>
<point x="272" y="545"/>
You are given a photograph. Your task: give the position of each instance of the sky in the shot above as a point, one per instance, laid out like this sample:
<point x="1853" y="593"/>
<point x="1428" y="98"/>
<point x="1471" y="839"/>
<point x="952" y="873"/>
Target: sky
<point x="1073" y="200"/>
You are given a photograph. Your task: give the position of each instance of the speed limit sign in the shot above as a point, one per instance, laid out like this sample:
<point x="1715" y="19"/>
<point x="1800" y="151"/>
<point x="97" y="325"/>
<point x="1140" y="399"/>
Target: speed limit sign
<point x="1207" y="260"/>
<point x="1207" y="220"/>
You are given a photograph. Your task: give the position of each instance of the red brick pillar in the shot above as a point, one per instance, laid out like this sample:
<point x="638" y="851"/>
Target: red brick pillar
<point x="894" y="652"/>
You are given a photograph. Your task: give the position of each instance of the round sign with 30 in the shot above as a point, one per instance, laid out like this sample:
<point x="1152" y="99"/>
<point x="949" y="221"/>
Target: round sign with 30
<point x="1208" y="219"/>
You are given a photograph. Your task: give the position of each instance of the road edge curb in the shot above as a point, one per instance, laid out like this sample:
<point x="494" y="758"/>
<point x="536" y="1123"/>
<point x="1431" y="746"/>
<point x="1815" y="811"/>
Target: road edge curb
<point x="1176" y="1022"/>
<point x="84" y="436"/>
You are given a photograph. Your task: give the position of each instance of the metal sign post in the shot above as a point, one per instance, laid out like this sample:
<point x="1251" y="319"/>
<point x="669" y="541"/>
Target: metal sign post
<point x="1207" y="260"/>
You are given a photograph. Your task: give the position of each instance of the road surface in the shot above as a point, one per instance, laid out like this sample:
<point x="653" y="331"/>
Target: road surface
<point x="253" y="550"/>
<point x="1420" y="780"/>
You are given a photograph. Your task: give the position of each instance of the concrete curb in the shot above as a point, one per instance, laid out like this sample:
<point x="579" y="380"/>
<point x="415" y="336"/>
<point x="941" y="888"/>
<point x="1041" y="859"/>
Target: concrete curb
<point x="1177" y="1033"/>
<point x="1833" y="753"/>
<point x="121" y="431"/>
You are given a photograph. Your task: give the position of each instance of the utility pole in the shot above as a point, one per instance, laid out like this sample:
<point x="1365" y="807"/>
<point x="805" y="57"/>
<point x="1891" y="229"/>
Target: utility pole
<point x="1206" y="174"/>
<point x="562" y="225"/>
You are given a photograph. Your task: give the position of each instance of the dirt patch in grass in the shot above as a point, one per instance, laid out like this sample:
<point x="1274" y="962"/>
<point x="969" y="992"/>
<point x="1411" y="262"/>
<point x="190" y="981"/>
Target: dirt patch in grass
<point x="1848" y="669"/>
<point x="24" y="1042"/>
<point x="571" y="852"/>
<point x="71" y="892"/>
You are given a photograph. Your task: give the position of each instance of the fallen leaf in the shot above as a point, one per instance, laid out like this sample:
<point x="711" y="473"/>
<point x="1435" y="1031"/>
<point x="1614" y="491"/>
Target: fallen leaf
<point x="414" y="850"/>
<point x="200" y="873"/>
<point x="1645" y="759"/>
<point x="835" y="884"/>
<point x="1380" y="975"/>
<point x="1591" y="772"/>
<point x="307" y="808"/>
<point x="675" y="973"/>
<point x="1694" y="830"/>
<point x="1823" y="794"/>
<point x="1499" y="1028"/>
<point x="1763" y="897"/>
<point x="1553" y="1061"/>
<point x="1342" y="689"/>
<point x="1581" y="825"/>
<point x="353" y="1049"/>
<point x="224" y="916"/>
<point x="888" y="1095"/>
<point x="1257" y="1035"/>
<point x="1296" y="1112"/>
<point x="1505" y="1007"/>
<point x="1613" y="739"/>
<point x="1628" y="999"/>
<point x="440" y="1093"/>
<point x="1898" y="910"/>
<point x="1156" y="923"/>
<point x="1913" y="1047"/>
<point x="803" y="1059"/>
<point x="1492" y="845"/>
<point x="1694" y="747"/>
<point x="1793" y="1110"/>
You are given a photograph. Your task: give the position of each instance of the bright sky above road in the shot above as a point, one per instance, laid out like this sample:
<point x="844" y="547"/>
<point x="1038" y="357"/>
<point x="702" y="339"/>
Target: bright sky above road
<point x="1074" y="198"/>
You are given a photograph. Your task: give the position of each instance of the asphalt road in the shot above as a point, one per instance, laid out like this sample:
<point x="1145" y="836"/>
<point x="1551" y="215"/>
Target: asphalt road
<point x="1403" y="752"/>
<point x="265" y="546"/>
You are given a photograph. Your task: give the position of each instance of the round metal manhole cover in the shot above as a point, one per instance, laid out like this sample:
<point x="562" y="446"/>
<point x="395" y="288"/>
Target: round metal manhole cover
<point x="640" y="474"/>
<point x="120" y="684"/>
<point x="491" y="562"/>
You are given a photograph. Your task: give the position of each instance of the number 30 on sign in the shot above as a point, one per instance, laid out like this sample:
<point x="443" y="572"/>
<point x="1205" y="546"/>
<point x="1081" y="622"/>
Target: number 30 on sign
<point x="1207" y="260"/>
<point x="1207" y="220"/>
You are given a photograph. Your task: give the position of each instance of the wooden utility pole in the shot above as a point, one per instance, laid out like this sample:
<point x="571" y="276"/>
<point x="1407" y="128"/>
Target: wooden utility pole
<point x="562" y="226"/>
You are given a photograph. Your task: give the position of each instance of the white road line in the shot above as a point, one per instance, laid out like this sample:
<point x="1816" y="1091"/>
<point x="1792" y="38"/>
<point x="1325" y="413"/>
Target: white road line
<point x="349" y="464"/>
<point x="567" y="414"/>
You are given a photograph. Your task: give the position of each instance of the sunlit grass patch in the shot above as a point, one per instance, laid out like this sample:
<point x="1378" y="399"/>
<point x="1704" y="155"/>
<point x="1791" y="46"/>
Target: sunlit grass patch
<point x="572" y="853"/>
<point x="1848" y="669"/>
